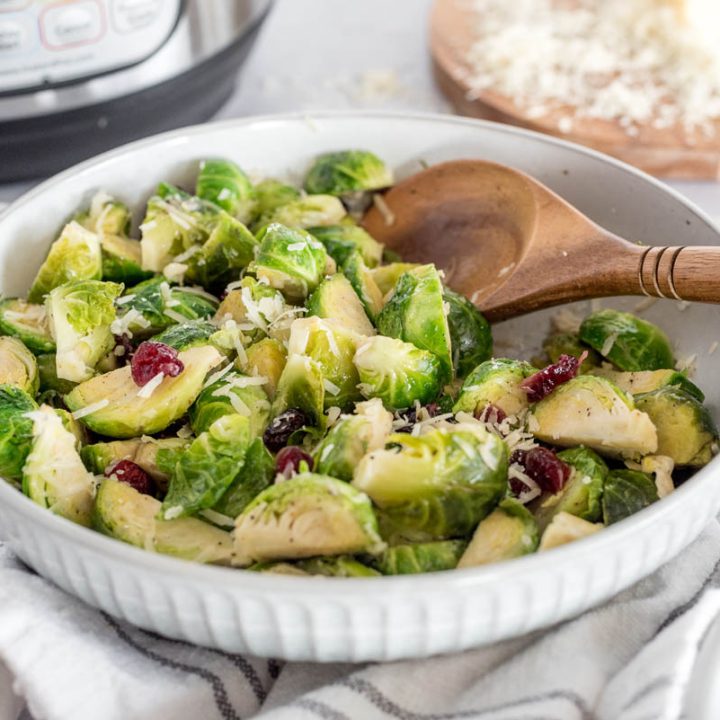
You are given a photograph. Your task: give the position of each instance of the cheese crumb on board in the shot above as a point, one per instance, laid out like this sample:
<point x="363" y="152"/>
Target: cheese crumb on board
<point x="636" y="62"/>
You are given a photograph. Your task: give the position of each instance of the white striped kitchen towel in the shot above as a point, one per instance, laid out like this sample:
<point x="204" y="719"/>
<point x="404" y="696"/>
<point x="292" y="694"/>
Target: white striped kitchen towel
<point x="630" y="659"/>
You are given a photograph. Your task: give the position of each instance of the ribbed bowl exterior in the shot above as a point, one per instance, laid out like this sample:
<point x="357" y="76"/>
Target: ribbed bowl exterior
<point x="332" y="619"/>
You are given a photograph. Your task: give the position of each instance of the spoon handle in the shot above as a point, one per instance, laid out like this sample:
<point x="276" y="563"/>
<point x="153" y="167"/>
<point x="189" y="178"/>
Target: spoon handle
<point x="680" y="273"/>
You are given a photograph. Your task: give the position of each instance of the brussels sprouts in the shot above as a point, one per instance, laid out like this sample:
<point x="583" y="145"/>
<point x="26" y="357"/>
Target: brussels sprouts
<point x="28" y="323"/>
<point x="416" y="313"/>
<point x="54" y="476"/>
<point x="277" y="568"/>
<point x="18" y="365"/>
<point x="495" y="382"/>
<point x="637" y="383"/>
<point x="186" y="335"/>
<point x="75" y="255"/>
<point x="311" y="211"/>
<point x="566" y="528"/>
<point x="229" y="248"/>
<point x="154" y="306"/>
<point x="347" y="171"/>
<point x="127" y="515"/>
<point x="348" y="441"/>
<point x="16" y="430"/>
<point x="336" y="299"/>
<point x="509" y="531"/>
<point x="142" y="451"/>
<point x="266" y="359"/>
<point x="73" y="426"/>
<point x="589" y="410"/>
<point x="582" y="493"/>
<point x="386" y="276"/>
<point x="626" y="492"/>
<point x="232" y="394"/>
<point x="627" y="341"/>
<point x="290" y="260"/>
<point x="470" y="334"/>
<point x="436" y="486"/>
<point x="205" y="470"/>
<point x="106" y="216"/>
<point x="256" y="473"/>
<point x="685" y="429"/>
<point x="271" y="194"/>
<point x="80" y="314"/>
<point x="306" y="516"/>
<point x="569" y="344"/>
<point x="361" y="279"/>
<point x="112" y="406"/>
<point x="49" y="381"/>
<point x="421" y="557"/>
<point x="341" y="240"/>
<point x="257" y="305"/>
<point x="301" y="386"/>
<point x="223" y="182"/>
<point x="324" y="566"/>
<point x="122" y="260"/>
<point x="174" y="223"/>
<point x="332" y="347"/>
<point x="397" y="372"/>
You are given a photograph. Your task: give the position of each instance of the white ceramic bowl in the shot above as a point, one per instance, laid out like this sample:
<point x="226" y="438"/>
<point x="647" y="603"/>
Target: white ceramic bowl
<point x="328" y="619"/>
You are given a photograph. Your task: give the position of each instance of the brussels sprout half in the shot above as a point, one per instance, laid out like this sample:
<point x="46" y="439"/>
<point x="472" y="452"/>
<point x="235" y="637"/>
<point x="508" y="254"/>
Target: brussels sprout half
<point x="224" y="183"/>
<point x="310" y="211"/>
<point x="80" y="314"/>
<point x="49" y="381"/>
<point x="127" y="515"/>
<point x="321" y="566"/>
<point x="582" y="493"/>
<point x="113" y="408"/>
<point x="341" y="240"/>
<point x="509" y="531"/>
<point x="266" y="359"/>
<point x="591" y="411"/>
<point x="306" y="516"/>
<point x="54" y="476"/>
<point x="495" y="382"/>
<point x="205" y="470"/>
<point x="397" y="372"/>
<point x="627" y="341"/>
<point x="290" y="260"/>
<point x="470" y="334"/>
<point x="415" y="313"/>
<point x="18" y="366"/>
<point x="637" y="383"/>
<point x="350" y="439"/>
<point x="16" y="430"/>
<point x="361" y="279"/>
<point x="386" y="276"/>
<point x="421" y="557"/>
<point x="332" y="347"/>
<point x="566" y="528"/>
<point x="75" y="255"/>
<point x="626" y="492"/>
<point x="346" y="171"/>
<point x="232" y="394"/>
<point x="186" y="335"/>
<point x="271" y="194"/>
<point x="27" y="322"/>
<point x="685" y="429"/>
<point x="122" y="260"/>
<point x="335" y="298"/>
<point x="301" y="386"/>
<point x="436" y="486"/>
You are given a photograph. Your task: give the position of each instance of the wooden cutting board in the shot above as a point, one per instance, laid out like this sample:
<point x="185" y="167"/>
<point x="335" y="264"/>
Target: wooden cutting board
<point x="668" y="152"/>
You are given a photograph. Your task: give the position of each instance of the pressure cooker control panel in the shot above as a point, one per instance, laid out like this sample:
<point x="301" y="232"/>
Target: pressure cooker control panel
<point x="45" y="42"/>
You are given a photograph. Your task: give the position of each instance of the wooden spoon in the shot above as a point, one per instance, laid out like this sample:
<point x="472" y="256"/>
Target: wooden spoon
<point x="513" y="246"/>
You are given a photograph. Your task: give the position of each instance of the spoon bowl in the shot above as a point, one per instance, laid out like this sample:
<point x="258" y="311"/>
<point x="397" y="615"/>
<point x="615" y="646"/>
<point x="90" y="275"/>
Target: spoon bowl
<point x="513" y="246"/>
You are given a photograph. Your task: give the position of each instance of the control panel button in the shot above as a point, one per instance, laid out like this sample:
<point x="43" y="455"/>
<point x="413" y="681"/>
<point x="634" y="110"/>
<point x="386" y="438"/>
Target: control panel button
<point x="13" y="5"/>
<point x="70" y="24"/>
<point x="132" y="15"/>
<point x="12" y="37"/>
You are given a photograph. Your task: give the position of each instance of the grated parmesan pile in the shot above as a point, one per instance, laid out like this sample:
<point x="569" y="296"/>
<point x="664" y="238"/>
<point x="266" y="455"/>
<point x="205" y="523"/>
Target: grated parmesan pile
<point x="631" y="61"/>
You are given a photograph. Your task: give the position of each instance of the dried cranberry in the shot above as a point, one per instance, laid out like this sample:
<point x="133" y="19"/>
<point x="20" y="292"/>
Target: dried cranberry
<point x="288" y="460"/>
<point x="152" y="358"/>
<point x="282" y="427"/>
<point x="128" y="472"/>
<point x="491" y="414"/>
<point x="542" y="383"/>
<point x="544" y="467"/>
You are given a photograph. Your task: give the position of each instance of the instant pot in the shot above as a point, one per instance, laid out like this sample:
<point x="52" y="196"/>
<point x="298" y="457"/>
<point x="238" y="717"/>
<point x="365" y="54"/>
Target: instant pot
<point x="80" y="76"/>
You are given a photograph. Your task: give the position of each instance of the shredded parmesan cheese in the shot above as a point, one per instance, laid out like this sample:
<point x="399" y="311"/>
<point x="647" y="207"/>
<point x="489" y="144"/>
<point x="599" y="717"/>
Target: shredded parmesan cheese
<point x="150" y="386"/>
<point x="90" y="409"/>
<point x="331" y="387"/>
<point x="608" y="344"/>
<point x="387" y="214"/>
